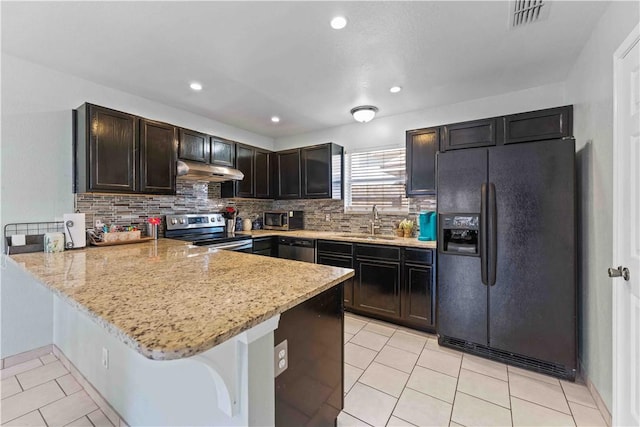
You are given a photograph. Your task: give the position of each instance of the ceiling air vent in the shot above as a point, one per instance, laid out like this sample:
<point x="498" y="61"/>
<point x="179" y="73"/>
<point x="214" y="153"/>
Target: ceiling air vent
<point x="528" y="11"/>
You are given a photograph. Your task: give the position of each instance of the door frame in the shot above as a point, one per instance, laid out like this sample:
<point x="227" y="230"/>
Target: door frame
<point x="618" y="233"/>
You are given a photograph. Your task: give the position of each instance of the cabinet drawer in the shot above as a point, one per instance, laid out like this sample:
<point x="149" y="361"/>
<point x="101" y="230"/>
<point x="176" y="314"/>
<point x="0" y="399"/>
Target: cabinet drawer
<point x="374" y="251"/>
<point x="418" y="256"/>
<point x="335" y="247"/>
<point x="478" y="133"/>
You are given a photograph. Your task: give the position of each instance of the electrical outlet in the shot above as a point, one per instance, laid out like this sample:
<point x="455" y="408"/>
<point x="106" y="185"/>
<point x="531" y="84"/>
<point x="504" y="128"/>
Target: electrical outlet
<point x="281" y="357"/>
<point x="105" y="358"/>
<point x="98" y="223"/>
<point x="327" y="217"/>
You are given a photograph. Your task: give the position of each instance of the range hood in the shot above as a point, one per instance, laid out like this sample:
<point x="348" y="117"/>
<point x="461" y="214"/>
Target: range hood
<point x="203" y="172"/>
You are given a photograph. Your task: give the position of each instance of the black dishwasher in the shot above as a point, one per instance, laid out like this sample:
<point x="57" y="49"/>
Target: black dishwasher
<point x="296" y="248"/>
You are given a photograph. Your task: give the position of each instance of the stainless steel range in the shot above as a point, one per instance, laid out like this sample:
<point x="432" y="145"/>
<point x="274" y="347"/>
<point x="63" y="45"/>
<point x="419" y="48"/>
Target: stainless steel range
<point x="206" y="230"/>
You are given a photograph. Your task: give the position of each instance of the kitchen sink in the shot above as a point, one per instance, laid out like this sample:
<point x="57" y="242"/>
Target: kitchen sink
<point x="367" y="236"/>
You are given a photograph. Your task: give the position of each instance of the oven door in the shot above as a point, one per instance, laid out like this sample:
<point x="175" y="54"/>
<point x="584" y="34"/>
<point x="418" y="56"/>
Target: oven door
<point x="238" y="246"/>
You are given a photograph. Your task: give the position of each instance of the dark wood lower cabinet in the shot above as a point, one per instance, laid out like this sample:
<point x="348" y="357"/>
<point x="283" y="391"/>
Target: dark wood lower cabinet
<point x="344" y="262"/>
<point x="390" y="283"/>
<point x="418" y="302"/>
<point x="310" y="391"/>
<point x="377" y="287"/>
<point x="267" y="246"/>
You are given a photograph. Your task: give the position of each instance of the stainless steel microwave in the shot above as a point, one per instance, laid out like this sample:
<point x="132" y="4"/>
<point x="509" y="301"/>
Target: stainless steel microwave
<point x="283" y="220"/>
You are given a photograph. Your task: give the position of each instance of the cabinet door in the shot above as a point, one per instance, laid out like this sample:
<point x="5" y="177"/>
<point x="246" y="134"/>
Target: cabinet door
<point x="112" y="147"/>
<point x="552" y="123"/>
<point x="288" y="185"/>
<point x="478" y="133"/>
<point x="418" y="296"/>
<point x="344" y="262"/>
<point x="263" y="174"/>
<point x="157" y="157"/>
<point x="223" y="152"/>
<point x="316" y="172"/>
<point x="194" y="146"/>
<point x="422" y="146"/>
<point x="377" y="287"/>
<point x="245" y="163"/>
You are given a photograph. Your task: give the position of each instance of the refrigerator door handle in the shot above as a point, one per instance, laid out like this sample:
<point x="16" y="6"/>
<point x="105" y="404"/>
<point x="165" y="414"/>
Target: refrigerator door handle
<point x="483" y="233"/>
<point x="492" y="237"/>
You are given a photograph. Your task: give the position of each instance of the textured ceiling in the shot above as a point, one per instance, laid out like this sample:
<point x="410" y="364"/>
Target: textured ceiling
<point x="258" y="59"/>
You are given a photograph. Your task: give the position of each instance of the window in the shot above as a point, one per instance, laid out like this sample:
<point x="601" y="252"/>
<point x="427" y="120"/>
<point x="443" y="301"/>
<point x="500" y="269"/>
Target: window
<point x="376" y="178"/>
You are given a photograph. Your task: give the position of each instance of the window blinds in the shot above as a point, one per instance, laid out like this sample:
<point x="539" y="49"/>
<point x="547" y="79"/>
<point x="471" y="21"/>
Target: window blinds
<point x="376" y="178"/>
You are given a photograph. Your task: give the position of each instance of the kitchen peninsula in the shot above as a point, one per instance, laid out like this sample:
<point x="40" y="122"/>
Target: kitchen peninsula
<point x="174" y="334"/>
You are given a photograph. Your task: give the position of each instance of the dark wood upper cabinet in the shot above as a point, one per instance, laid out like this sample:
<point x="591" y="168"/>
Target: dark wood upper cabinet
<point x="194" y="146"/>
<point x="263" y="161"/>
<point x="321" y="171"/>
<point x="246" y="164"/>
<point x="288" y="174"/>
<point x="223" y="152"/>
<point x="478" y="133"/>
<point x="123" y="153"/>
<point x="552" y="123"/>
<point x="422" y="146"/>
<point x="106" y="150"/>
<point x="158" y="147"/>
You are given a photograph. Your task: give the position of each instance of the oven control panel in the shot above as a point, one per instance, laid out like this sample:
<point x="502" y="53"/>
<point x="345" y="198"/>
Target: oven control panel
<point x="187" y="221"/>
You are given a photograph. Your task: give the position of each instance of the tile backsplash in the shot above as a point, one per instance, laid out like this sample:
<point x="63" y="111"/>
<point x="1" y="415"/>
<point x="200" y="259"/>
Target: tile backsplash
<point x="200" y="196"/>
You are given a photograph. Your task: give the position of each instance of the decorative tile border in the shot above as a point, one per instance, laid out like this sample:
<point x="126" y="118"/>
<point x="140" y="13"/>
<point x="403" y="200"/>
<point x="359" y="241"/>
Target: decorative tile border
<point x="201" y="196"/>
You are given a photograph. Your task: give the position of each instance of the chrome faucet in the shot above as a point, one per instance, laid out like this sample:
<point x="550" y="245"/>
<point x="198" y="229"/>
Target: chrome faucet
<point x="374" y="219"/>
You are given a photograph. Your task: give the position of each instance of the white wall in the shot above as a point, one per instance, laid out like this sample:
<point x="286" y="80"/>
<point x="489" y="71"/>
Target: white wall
<point x="36" y="153"/>
<point x="390" y="131"/>
<point x="26" y="307"/>
<point x="590" y="89"/>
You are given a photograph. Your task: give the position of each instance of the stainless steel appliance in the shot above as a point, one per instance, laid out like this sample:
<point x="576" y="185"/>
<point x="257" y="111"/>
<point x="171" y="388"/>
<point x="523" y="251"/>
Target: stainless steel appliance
<point x="204" y="172"/>
<point x="507" y="254"/>
<point x="208" y="230"/>
<point x="283" y="220"/>
<point x="297" y="249"/>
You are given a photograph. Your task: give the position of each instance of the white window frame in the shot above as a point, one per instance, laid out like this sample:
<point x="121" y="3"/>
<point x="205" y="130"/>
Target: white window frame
<point x="349" y="209"/>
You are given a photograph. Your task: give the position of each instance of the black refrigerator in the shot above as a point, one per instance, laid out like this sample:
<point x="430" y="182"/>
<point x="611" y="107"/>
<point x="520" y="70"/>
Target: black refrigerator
<point x="507" y="254"/>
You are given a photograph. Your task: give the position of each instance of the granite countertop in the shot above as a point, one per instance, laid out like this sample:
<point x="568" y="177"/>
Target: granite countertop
<point x="168" y="300"/>
<point x="379" y="239"/>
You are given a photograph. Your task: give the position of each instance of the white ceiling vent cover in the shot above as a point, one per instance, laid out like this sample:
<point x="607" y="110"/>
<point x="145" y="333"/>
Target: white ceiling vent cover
<point x="527" y="12"/>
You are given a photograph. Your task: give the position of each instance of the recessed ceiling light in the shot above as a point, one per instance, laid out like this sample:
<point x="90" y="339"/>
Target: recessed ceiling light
<point x="339" y="22"/>
<point x="275" y="119"/>
<point x="395" y="89"/>
<point x="195" y="86"/>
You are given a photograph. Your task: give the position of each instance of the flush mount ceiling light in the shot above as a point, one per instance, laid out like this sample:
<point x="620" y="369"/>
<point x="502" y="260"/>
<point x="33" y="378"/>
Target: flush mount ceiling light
<point x="275" y="119"/>
<point x="395" y="89"/>
<point x="364" y="113"/>
<point x="195" y="86"/>
<point x="339" y="22"/>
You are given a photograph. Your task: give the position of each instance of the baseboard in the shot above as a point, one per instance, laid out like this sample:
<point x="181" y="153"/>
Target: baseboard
<point x="16" y="359"/>
<point x="102" y="403"/>
<point x="604" y="411"/>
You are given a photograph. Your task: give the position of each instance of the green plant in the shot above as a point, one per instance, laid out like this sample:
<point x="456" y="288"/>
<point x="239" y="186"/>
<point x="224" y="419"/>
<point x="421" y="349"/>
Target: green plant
<point x="406" y="224"/>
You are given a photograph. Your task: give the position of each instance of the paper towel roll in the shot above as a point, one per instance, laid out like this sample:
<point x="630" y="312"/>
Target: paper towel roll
<point x="74" y="230"/>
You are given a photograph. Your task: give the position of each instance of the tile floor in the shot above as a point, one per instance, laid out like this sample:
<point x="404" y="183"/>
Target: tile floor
<point x="399" y="377"/>
<point x="393" y="377"/>
<point x="42" y="392"/>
